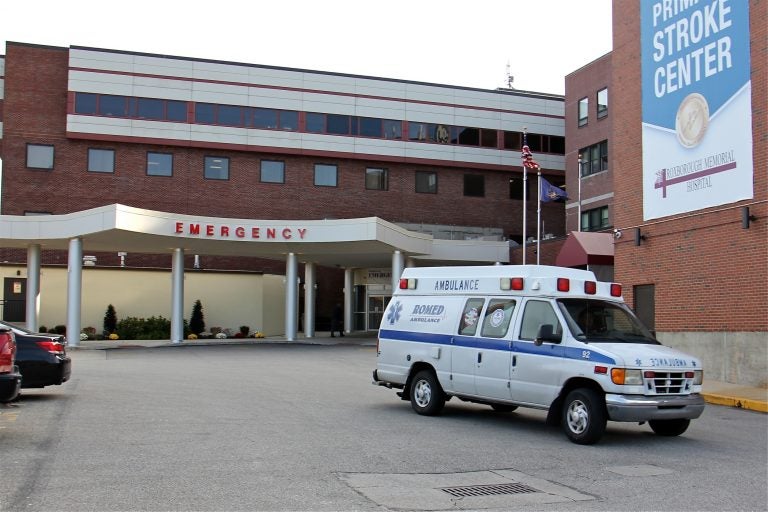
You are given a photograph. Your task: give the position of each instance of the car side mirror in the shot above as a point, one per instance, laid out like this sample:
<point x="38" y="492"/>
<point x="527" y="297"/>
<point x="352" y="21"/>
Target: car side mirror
<point x="547" y="333"/>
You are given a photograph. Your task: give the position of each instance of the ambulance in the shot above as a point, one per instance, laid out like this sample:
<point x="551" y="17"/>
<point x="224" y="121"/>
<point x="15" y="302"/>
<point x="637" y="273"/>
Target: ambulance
<point x="535" y="336"/>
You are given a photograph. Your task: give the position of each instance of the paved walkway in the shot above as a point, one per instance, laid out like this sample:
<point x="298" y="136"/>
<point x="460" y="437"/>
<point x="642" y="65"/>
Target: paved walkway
<point x="714" y="392"/>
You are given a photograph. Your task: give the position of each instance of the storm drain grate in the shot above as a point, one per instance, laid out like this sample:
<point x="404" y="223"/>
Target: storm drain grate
<point x="488" y="490"/>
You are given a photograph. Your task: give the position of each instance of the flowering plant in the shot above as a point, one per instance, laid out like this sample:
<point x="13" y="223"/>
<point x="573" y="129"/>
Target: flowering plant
<point x="221" y="336"/>
<point x="83" y="336"/>
<point x="114" y="336"/>
<point x="258" y="334"/>
<point x="192" y="336"/>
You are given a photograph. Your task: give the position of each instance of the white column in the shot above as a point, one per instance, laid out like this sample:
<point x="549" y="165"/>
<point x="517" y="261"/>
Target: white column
<point x="177" y="296"/>
<point x="398" y="264"/>
<point x="291" y="295"/>
<point x="74" y="290"/>
<point x="309" y="300"/>
<point x="33" y="286"/>
<point x="348" y="282"/>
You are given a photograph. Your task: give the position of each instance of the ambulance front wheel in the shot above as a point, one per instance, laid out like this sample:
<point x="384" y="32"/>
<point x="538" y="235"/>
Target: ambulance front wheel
<point x="427" y="397"/>
<point x="584" y="416"/>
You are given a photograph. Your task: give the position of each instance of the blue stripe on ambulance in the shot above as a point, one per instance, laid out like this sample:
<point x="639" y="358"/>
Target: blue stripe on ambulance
<point x="522" y="347"/>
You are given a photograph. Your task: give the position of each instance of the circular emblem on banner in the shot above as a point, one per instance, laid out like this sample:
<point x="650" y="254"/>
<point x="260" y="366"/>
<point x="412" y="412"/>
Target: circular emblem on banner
<point x="497" y="318"/>
<point x="692" y="120"/>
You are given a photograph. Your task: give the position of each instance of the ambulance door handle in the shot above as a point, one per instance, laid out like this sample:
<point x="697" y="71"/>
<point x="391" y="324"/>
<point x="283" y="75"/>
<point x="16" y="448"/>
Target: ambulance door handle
<point x="479" y="357"/>
<point x="514" y="360"/>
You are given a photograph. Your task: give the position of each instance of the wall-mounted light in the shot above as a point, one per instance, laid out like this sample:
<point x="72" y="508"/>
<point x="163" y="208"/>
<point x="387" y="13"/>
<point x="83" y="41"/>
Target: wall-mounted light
<point x="639" y="237"/>
<point x="746" y="217"/>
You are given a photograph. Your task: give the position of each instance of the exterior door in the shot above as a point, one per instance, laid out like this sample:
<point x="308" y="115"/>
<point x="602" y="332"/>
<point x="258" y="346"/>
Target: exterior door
<point x="376" y="306"/>
<point x="536" y="370"/>
<point x="492" y="360"/>
<point x="15" y="299"/>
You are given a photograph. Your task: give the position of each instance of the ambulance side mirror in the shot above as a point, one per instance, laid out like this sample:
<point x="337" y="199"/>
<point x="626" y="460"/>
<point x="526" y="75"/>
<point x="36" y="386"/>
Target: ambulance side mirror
<point x="547" y="333"/>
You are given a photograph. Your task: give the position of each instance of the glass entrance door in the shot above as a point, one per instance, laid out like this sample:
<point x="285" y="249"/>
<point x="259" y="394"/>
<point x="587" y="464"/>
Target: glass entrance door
<point x="376" y="306"/>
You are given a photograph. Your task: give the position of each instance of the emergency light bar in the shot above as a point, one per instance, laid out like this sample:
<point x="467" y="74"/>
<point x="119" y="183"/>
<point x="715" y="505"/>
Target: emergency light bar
<point x="407" y="284"/>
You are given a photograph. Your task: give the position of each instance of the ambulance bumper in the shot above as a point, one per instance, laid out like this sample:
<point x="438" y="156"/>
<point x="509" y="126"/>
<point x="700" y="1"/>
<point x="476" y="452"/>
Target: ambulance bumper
<point x="644" y="408"/>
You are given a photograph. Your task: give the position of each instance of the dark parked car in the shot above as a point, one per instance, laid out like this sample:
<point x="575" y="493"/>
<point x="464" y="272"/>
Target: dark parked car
<point x="10" y="377"/>
<point x="42" y="358"/>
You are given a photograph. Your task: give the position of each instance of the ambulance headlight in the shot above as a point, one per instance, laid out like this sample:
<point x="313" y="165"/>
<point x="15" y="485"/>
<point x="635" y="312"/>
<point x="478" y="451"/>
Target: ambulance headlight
<point x="625" y="377"/>
<point x="698" y="377"/>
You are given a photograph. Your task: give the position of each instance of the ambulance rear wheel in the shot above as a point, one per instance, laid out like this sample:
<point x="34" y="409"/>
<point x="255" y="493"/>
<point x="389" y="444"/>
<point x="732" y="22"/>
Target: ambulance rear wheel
<point x="669" y="427"/>
<point x="427" y="396"/>
<point x="584" y="416"/>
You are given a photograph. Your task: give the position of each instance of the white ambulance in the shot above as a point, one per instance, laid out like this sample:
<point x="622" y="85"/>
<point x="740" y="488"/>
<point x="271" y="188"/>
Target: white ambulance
<point x="533" y="336"/>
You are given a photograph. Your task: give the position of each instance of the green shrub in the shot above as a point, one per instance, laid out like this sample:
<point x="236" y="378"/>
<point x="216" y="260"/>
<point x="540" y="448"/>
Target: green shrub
<point x="152" y="328"/>
<point x="197" y="321"/>
<point x="110" y="320"/>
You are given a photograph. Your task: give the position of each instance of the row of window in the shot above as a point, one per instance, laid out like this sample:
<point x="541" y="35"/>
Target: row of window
<point x="310" y="122"/>
<point x="594" y="158"/>
<point x="101" y="160"/>
<point x="595" y="219"/>
<point x="602" y="106"/>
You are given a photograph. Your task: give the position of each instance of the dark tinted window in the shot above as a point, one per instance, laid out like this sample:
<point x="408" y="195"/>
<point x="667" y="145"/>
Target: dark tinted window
<point x="230" y="115"/>
<point x="289" y="120"/>
<point x="393" y="129"/>
<point x="112" y="106"/>
<point x="217" y="168"/>
<point x="338" y="125"/>
<point x="204" y="113"/>
<point x="488" y="138"/>
<point x="370" y="127"/>
<point x="469" y="136"/>
<point x="426" y="182"/>
<point x="474" y="185"/>
<point x="159" y="164"/>
<point x="148" y="108"/>
<point x="315" y="122"/>
<point x="101" y="160"/>
<point x="264" y="118"/>
<point x="85" y="103"/>
<point x="177" y="110"/>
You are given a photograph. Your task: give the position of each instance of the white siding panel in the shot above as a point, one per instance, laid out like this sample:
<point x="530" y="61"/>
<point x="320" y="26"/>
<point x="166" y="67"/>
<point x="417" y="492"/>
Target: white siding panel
<point x="160" y="130"/>
<point x="333" y="83"/>
<point x="221" y="72"/>
<point x="311" y="141"/>
<point x="429" y="113"/>
<point x="163" y="66"/>
<point x="382" y="88"/>
<point x="477" y="98"/>
<point x="99" y="125"/>
<point x="485" y="156"/>
<point x="478" y="119"/>
<point x="219" y="134"/>
<point x="149" y="91"/>
<point x="275" y="77"/>
<point x="329" y="104"/>
<point x="270" y="138"/>
<point x="380" y="147"/>
<point x="204" y="96"/>
<point x="271" y="98"/>
<point x="90" y="59"/>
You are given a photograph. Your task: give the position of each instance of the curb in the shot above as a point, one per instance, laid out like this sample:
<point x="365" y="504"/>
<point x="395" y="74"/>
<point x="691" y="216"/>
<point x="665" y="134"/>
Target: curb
<point x="741" y="403"/>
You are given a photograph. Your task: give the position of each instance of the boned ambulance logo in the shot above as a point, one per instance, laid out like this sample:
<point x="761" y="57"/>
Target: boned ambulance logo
<point x="394" y="313"/>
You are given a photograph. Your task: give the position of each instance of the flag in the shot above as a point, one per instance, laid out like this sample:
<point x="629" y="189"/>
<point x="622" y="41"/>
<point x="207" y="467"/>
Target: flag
<point x="528" y="161"/>
<point x="550" y="192"/>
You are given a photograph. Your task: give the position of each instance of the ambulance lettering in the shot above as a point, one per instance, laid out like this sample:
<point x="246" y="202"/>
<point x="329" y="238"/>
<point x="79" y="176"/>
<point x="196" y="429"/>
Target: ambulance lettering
<point x="430" y="313"/>
<point x="446" y="285"/>
<point x="673" y="362"/>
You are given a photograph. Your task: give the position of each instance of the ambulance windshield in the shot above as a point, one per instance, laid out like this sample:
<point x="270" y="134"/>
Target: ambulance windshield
<point x="600" y="321"/>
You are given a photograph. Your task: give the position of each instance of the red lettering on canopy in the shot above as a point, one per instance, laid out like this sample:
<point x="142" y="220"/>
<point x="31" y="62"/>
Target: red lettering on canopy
<point x="179" y="227"/>
<point x="224" y="230"/>
<point x="287" y="233"/>
<point x="194" y="229"/>
<point x="240" y="232"/>
<point x="302" y="232"/>
<point x="209" y="230"/>
<point x="255" y="232"/>
<point x="271" y="232"/>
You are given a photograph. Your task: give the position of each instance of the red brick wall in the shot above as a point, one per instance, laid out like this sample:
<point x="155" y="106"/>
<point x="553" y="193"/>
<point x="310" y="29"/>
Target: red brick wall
<point x="584" y="83"/>
<point x="709" y="273"/>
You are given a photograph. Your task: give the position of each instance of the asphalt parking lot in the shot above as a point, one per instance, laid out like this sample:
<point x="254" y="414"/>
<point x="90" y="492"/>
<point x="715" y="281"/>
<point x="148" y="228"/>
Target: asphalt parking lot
<point x="300" y="427"/>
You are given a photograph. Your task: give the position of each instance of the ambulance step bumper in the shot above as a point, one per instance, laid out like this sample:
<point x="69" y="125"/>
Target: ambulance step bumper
<point x="644" y="408"/>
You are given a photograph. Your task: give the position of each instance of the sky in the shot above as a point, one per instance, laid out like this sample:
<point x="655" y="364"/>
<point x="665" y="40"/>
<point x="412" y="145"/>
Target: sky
<point x="465" y="43"/>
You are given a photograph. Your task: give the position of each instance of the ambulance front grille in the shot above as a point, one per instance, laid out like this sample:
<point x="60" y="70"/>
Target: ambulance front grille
<point x="668" y="383"/>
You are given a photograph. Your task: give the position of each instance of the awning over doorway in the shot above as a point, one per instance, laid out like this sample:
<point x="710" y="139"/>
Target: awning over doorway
<point x="583" y="248"/>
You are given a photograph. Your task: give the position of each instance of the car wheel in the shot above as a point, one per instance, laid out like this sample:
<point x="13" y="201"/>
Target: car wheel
<point x="669" y="427"/>
<point x="503" y="407"/>
<point x="584" y="416"/>
<point x="427" y="397"/>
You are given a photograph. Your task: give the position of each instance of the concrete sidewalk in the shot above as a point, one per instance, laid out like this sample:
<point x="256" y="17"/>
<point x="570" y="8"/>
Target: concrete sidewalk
<point x="714" y="392"/>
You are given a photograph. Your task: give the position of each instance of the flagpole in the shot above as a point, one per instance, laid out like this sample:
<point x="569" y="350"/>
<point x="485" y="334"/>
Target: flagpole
<point x="538" y="220"/>
<point x="525" y="195"/>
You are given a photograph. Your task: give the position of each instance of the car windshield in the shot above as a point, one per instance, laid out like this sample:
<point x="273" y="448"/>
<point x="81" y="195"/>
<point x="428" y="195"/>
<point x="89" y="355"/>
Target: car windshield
<point x="602" y="321"/>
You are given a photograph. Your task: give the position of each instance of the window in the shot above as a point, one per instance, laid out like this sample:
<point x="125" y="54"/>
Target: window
<point x="264" y="118"/>
<point x="474" y="185"/>
<point x="488" y="138"/>
<point x="326" y="175"/>
<point x="376" y="179"/>
<point x="204" y="113"/>
<point x="159" y="164"/>
<point x="177" y="110"/>
<point x="469" y="136"/>
<point x="513" y="140"/>
<point x="537" y="314"/>
<point x="497" y="318"/>
<point x="315" y="123"/>
<point x="470" y="316"/>
<point x="289" y="120"/>
<point x="337" y="125"/>
<point x="101" y="160"/>
<point x="393" y="129"/>
<point x="147" y="108"/>
<point x="595" y="219"/>
<point x="272" y="171"/>
<point x="583" y="111"/>
<point x="602" y="102"/>
<point x="594" y="158"/>
<point x="39" y="156"/>
<point x="216" y="168"/>
<point x="426" y="182"/>
<point x="113" y="106"/>
<point x="370" y="127"/>
<point x="85" y="103"/>
<point x="230" y="115"/>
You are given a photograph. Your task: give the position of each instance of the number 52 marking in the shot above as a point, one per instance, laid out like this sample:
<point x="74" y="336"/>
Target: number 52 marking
<point x="585" y="354"/>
